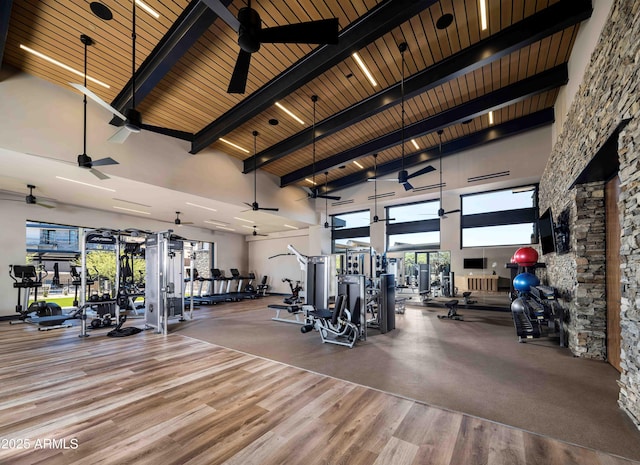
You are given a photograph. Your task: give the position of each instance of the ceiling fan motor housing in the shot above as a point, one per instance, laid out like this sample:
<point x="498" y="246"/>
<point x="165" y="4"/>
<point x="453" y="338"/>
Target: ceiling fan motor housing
<point x="84" y="160"/>
<point x="249" y="30"/>
<point x="134" y="120"/>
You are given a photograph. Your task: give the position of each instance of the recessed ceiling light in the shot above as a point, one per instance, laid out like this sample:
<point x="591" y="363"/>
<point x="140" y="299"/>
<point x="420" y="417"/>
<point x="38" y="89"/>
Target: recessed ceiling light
<point x="467" y="121"/>
<point x="132" y="203"/>
<point x="233" y="145"/>
<point x="444" y="21"/>
<point x="289" y="226"/>
<point x="62" y="65"/>
<point x="225" y="228"/>
<point x="490" y="117"/>
<point x="131" y="210"/>
<point x="364" y="69"/>
<point x="217" y="223"/>
<point x="483" y="14"/>
<point x="85" y="184"/>
<point x="148" y="9"/>
<point x="355" y="162"/>
<point x="310" y="181"/>
<point x="279" y="105"/>
<point x="201" y="206"/>
<point x="242" y="219"/>
<point x="415" y="144"/>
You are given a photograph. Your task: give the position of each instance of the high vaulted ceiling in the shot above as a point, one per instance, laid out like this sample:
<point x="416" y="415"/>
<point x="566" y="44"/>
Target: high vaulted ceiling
<point x="185" y="58"/>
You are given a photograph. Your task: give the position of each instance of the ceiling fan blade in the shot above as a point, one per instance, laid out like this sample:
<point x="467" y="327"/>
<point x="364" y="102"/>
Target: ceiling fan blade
<point x="225" y="15"/>
<point x="238" y="82"/>
<point x="407" y="186"/>
<point x="44" y="205"/>
<point x="104" y="162"/>
<point x="452" y="211"/>
<point x="420" y="172"/>
<point x="268" y="209"/>
<point x="120" y="135"/>
<point x="97" y="99"/>
<point x="98" y="174"/>
<point x="330" y="197"/>
<point x="168" y="132"/>
<point x="324" y="31"/>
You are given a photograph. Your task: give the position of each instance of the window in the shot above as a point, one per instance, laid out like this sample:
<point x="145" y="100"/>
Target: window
<point x="414" y="226"/>
<point x="500" y="218"/>
<point x="351" y="220"/>
<point x="350" y="230"/>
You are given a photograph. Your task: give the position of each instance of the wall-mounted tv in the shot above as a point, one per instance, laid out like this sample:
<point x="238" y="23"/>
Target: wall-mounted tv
<point x="547" y="232"/>
<point x="475" y="263"/>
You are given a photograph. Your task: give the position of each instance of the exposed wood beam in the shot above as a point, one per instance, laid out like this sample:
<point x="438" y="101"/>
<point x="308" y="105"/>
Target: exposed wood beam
<point x="183" y="34"/>
<point x="373" y="25"/>
<point x="492" y="101"/>
<point x="5" y="16"/>
<point x="485" y="136"/>
<point x="526" y="32"/>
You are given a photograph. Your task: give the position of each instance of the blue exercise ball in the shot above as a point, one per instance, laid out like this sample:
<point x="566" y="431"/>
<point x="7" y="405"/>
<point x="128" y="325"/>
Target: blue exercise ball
<point x="524" y="281"/>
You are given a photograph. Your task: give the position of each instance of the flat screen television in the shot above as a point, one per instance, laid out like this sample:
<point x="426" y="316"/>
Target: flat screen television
<point x="475" y="263"/>
<point x="547" y="232"/>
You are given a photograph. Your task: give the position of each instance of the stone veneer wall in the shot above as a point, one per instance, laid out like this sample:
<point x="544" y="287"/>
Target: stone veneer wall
<point x="608" y="94"/>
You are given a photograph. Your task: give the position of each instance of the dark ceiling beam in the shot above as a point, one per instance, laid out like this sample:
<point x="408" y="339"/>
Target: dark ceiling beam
<point x="524" y="33"/>
<point x="485" y="136"/>
<point x="181" y="36"/>
<point x="5" y="16"/>
<point x="383" y="18"/>
<point x="541" y="82"/>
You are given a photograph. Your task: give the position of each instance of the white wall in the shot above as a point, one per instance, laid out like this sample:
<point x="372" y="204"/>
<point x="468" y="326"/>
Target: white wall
<point x="40" y="118"/>
<point x="231" y="250"/>
<point x="278" y="268"/>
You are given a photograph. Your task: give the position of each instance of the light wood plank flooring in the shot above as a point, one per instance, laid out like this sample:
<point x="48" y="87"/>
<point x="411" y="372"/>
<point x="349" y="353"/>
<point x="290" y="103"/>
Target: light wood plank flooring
<point x="176" y="400"/>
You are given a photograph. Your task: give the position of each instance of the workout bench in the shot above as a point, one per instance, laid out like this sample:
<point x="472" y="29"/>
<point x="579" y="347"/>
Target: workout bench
<point x="452" y="314"/>
<point x="293" y="311"/>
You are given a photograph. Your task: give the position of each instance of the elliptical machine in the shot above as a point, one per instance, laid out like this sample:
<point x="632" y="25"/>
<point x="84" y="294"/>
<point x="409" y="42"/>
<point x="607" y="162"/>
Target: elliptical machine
<point x="47" y="315"/>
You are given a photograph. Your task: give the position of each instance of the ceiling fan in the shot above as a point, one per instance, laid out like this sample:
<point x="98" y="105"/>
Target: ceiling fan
<point x="313" y="193"/>
<point x="132" y="118"/>
<point x="375" y="192"/>
<point x="255" y="232"/>
<point x="254" y="206"/>
<point x="403" y="175"/>
<point x="179" y="222"/>
<point x="31" y="199"/>
<point x="84" y="160"/>
<point x="441" y="212"/>
<point x="251" y="35"/>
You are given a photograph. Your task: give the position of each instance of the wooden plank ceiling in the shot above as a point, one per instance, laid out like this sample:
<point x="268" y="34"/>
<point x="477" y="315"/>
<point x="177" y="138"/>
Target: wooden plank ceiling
<point x="192" y="94"/>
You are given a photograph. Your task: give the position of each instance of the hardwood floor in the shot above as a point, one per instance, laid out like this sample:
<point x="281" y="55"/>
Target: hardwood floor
<point x="176" y="400"/>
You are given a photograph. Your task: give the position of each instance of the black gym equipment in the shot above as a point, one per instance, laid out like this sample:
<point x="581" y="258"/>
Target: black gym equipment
<point x="467" y="298"/>
<point x="294" y="298"/>
<point x="537" y="313"/>
<point x="338" y="326"/>
<point x="452" y="314"/>
<point x="77" y="282"/>
<point x="263" y="286"/>
<point x="294" y="312"/>
<point x="242" y="292"/>
<point x="46" y="315"/>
